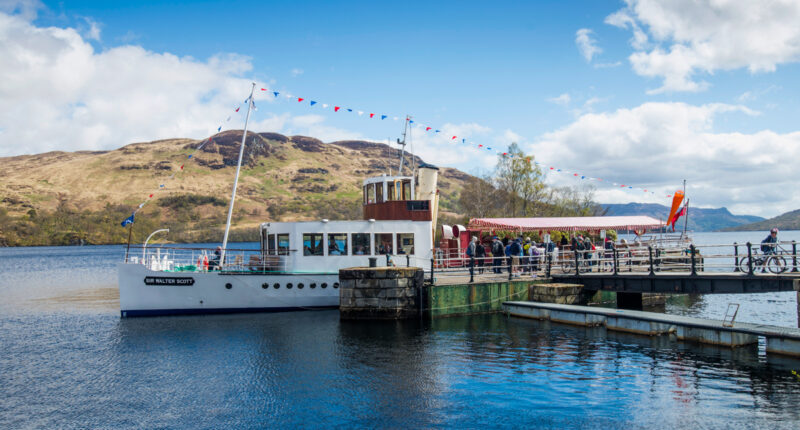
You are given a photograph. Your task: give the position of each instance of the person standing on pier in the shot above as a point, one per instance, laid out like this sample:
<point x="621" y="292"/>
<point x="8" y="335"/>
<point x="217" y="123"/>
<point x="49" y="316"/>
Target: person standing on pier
<point x="498" y="252"/>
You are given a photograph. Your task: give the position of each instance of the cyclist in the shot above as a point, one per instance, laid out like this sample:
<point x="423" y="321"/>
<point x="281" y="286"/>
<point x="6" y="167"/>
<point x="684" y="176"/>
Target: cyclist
<point x="768" y="244"/>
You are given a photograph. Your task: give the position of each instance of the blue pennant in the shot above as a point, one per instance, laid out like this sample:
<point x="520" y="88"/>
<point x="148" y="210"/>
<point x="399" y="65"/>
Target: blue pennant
<point x="313" y="102"/>
<point x="383" y="116"/>
<point x="276" y="93"/>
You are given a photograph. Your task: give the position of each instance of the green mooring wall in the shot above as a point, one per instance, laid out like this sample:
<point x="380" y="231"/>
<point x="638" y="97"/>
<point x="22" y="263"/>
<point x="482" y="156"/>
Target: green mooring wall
<point x="478" y="298"/>
<point x="463" y="299"/>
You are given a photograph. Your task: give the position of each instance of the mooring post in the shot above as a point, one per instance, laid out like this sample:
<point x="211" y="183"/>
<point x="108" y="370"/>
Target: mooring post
<point x="694" y="266"/>
<point x="510" y="261"/>
<point x="471" y="269"/>
<point x="408" y="260"/>
<point x="432" y="265"/>
<point x="794" y="256"/>
<point x="549" y="263"/>
<point x="749" y="258"/>
<point x="387" y="260"/>
<point x="577" y="269"/>
<point x="736" y="257"/>
<point x="616" y="259"/>
<point x="650" y="251"/>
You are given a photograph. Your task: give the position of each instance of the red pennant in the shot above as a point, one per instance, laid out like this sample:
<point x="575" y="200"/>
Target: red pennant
<point x="575" y="174"/>
<point x="505" y="153"/>
<point x="552" y="168"/>
<point x="371" y="115"/>
<point x="181" y="166"/>
<point x="622" y="186"/>
<point x="336" y="108"/>
<point x="263" y="89"/>
<point x="299" y="99"/>
<point x="453" y="137"/>
<point x="237" y="110"/>
<point x="480" y="146"/>
<point x="427" y="128"/>
<point x="151" y="196"/>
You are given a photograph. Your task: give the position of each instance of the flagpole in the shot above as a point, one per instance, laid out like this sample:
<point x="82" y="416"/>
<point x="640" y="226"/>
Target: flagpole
<point x="236" y="181"/>
<point x="127" y="250"/>
<point x="685" y="218"/>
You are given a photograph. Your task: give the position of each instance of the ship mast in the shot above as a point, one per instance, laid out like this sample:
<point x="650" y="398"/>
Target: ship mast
<point x="403" y="146"/>
<point x="236" y="181"/>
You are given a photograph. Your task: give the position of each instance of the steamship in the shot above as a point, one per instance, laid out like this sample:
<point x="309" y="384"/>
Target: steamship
<point x="297" y="264"/>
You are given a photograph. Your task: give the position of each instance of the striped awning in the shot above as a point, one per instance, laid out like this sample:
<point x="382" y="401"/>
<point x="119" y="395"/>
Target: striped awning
<point x="591" y="223"/>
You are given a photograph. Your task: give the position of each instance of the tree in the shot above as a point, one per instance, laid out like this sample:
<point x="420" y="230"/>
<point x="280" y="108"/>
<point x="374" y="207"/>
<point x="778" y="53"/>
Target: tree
<point x="522" y="182"/>
<point x="480" y="198"/>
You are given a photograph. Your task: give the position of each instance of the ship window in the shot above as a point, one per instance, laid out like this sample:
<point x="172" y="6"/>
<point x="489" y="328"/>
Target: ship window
<point x="379" y="193"/>
<point x="390" y="195"/>
<point x="370" y="193"/>
<point x="312" y="244"/>
<point x="337" y="243"/>
<point x="271" y="250"/>
<point x="405" y="243"/>
<point x="361" y="244"/>
<point x="383" y="244"/>
<point x="283" y="244"/>
<point x="406" y="190"/>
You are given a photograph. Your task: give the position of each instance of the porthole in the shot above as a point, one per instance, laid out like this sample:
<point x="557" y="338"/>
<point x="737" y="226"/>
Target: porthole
<point x="300" y="286"/>
<point x="276" y="285"/>
<point x="313" y="285"/>
<point x="335" y="285"/>
<point x="289" y="286"/>
<point x="228" y="286"/>
<point x="324" y="285"/>
<point x="265" y="285"/>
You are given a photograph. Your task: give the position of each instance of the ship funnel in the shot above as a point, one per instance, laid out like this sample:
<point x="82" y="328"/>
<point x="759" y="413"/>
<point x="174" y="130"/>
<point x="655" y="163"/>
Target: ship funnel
<point x="428" y="177"/>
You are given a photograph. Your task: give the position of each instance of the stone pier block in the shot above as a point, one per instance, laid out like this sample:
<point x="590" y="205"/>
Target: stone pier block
<point x="380" y="292"/>
<point x="565" y="294"/>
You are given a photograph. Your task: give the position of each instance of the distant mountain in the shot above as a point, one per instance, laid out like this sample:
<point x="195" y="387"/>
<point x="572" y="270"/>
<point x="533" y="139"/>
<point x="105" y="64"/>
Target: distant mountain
<point x="700" y="219"/>
<point x="787" y="221"/>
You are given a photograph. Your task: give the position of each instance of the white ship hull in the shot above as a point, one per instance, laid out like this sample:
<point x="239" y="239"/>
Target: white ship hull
<point x="144" y="292"/>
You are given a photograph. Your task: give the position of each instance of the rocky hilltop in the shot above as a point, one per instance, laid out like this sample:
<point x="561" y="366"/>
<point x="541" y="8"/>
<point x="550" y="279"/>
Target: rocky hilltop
<point x="80" y="197"/>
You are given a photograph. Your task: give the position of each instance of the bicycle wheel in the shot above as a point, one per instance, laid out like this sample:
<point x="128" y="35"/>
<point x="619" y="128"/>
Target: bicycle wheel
<point x="743" y="265"/>
<point x="776" y="264"/>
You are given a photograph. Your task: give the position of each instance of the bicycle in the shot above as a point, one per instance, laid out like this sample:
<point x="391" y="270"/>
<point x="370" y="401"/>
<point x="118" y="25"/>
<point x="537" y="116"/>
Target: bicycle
<point x="775" y="263"/>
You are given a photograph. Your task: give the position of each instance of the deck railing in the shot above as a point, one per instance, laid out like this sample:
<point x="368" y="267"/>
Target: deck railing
<point x="720" y="258"/>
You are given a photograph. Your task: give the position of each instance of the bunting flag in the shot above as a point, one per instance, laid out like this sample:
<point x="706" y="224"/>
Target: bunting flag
<point x="430" y="128"/>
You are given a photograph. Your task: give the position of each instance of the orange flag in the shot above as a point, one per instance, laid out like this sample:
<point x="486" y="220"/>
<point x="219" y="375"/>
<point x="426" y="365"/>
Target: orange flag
<point x="676" y="203"/>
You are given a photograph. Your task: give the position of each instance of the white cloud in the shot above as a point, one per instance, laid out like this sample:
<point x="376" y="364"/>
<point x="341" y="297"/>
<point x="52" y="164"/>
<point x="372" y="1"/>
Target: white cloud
<point x="657" y="145"/>
<point x="296" y="72"/>
<point x="58" y="93"/>
<point x="25" y="9"/>
<point x="586" y="44"/>
<point x="688" y="37"/>
<point x="562" y="100"/>
<point x="93" y="32"/>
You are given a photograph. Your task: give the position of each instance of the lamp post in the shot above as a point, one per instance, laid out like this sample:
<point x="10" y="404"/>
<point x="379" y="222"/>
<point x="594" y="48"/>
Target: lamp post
<point x="144" y="248"/>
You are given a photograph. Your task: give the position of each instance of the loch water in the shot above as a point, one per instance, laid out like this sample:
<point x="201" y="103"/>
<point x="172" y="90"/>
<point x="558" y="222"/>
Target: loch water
<point x="67" y="360"/>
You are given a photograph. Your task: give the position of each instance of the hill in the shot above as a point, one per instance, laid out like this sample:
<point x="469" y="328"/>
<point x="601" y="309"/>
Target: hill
<point x="81" y="197"/>
<point x="700" y="219"/>
<point x="787" y="221"/>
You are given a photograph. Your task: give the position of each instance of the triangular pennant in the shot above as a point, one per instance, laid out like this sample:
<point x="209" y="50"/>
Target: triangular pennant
<point x="427" y="128"/>
<point x="383" y="117"/>
<point x="313" y="102"/>
<point x="372" y="115"/>
<point x="336" y="108"/>
<point x="276" y="93"/>
<point x="237" y="109"/>
<point x="299" y="99"/>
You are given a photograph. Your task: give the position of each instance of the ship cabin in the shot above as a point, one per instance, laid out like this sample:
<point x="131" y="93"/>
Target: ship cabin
<point x="396" y="230"/>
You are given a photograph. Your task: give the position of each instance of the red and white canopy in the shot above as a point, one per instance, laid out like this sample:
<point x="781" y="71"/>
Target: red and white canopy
<point x="591" y="223"/>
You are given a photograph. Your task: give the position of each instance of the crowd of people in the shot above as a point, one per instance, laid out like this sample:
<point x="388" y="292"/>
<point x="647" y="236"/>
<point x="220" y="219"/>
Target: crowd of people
<point x="524" y="255"/>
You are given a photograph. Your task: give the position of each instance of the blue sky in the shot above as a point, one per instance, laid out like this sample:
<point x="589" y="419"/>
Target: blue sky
<point x="639" y="92"/>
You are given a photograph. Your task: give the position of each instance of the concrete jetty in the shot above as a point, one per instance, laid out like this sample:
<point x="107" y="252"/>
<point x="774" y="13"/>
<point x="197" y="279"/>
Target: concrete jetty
<point x="779" y="340"/>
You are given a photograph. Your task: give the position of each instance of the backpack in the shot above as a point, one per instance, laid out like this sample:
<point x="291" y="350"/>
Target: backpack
<point x="470" y="249"/>
<point x="497" y="248"/>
